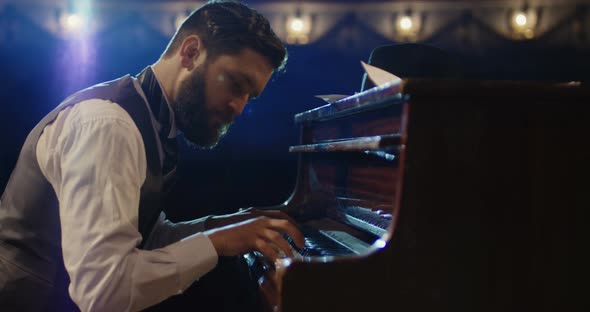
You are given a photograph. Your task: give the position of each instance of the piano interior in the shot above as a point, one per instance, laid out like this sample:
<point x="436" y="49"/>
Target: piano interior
<point x="436" y="197"/>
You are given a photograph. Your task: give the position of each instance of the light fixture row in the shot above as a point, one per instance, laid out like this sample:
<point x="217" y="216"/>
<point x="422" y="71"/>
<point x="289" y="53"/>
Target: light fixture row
<point x="406" y="26"/>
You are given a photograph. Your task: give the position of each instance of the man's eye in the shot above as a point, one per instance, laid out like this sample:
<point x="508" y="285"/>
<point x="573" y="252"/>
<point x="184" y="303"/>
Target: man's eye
<point x="236" y="88"/>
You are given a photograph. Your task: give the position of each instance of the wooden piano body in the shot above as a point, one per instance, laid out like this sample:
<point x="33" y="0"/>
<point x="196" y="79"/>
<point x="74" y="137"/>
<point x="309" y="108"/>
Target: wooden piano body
<point x="484" y="187"/>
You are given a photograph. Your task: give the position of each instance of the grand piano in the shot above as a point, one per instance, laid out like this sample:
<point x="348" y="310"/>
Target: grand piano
<point x="439" y="194"/>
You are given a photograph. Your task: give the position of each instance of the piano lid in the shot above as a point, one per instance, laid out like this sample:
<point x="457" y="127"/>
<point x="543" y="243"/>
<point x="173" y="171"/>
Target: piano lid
<point x="373" y="98"/>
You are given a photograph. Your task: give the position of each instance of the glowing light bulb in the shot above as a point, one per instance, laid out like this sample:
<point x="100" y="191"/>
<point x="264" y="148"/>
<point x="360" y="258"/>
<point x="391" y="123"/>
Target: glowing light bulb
<point x="298" y="28"/>
<point x="297" y="25"/>
<point x="73" y="22"/>
<point x="520" y="19"/>
<point x="405" y="23"/>
<point x="523" y="24"/>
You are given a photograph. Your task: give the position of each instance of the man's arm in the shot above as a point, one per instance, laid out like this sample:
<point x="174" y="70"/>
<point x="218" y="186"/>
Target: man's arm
<point x="95" y="160"/>
<point x="166" y="232"/>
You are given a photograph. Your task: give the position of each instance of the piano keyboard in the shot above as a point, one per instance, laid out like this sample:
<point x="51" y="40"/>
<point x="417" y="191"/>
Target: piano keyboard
<point x="320" y="243"/>
<point x="367" y="219"/>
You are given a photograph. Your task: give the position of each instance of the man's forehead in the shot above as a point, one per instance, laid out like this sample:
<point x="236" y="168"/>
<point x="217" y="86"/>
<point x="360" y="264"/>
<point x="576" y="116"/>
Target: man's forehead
<point x="248" y="64"/>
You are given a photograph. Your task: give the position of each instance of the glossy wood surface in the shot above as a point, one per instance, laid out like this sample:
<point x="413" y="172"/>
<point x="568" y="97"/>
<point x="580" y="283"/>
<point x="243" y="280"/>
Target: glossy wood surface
<point x="489" y="197"/>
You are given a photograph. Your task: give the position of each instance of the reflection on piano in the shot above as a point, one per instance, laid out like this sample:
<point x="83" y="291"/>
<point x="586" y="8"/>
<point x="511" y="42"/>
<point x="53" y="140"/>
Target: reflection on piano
<point x="451" y="195"/>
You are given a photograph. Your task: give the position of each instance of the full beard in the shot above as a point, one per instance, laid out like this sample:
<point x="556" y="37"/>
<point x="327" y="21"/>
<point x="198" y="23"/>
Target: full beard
<point x="196" y="121"/>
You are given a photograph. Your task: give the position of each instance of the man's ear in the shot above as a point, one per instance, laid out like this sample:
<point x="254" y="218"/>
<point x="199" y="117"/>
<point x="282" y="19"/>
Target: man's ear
<point x="191" y="51"/>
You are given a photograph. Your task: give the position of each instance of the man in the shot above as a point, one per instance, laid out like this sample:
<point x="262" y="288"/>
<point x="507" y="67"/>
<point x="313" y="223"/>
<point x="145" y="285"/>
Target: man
<point x="81" y="218"/>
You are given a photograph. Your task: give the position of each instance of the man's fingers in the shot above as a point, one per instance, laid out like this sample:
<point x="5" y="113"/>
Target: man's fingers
<point x="266" y="249"/>
<point x="263" y="234"/>
<point x="276" y="240"/>
<point x="284" y="226"/>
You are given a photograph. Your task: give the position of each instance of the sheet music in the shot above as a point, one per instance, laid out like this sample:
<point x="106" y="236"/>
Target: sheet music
<point x="377" y="75"/>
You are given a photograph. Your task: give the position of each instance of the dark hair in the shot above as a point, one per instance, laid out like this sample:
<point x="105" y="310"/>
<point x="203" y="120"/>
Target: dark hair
<point x="226" y="27"/>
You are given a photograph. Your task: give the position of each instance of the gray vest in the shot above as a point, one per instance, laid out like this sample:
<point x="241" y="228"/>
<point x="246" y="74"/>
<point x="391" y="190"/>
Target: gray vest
<point x="30" y="234"/>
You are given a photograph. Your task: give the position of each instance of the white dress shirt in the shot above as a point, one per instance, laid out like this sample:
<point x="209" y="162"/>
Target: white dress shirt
<point x="94" y="157"/>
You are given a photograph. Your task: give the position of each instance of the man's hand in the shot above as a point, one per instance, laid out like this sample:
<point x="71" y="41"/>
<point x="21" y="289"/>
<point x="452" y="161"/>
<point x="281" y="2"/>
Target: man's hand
<point x="256" y="233"/>
<point x="243" y="215"/>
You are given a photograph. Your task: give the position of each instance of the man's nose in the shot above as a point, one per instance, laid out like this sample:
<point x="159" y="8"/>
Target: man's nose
<point x="238" y="103"/>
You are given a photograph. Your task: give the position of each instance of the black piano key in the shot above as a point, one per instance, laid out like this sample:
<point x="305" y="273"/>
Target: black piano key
<point x="317" y="244"/>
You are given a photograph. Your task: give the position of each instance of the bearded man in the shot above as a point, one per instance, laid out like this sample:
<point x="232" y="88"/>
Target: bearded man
<point x="81" y="219"/>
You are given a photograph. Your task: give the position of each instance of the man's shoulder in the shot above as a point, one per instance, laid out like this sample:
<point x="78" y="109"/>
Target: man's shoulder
<point x="98" y="109"/>
<point x="108" y="90"/>
<point x="100" y="101"/>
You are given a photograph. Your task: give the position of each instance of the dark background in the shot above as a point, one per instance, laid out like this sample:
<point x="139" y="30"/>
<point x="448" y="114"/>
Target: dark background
<point x="251" y="166"/>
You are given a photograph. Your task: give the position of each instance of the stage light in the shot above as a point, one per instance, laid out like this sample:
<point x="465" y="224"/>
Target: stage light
<point x="73" y="24"/>
<point x="523" y="22"/>
<point x="407" y="27"/>
<point x="520" y="19"/>
<point x="296" y="25"/>
<point x="405" y="23"/>
<point x="75" y="18"/>
<point x="298" y="29"/>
